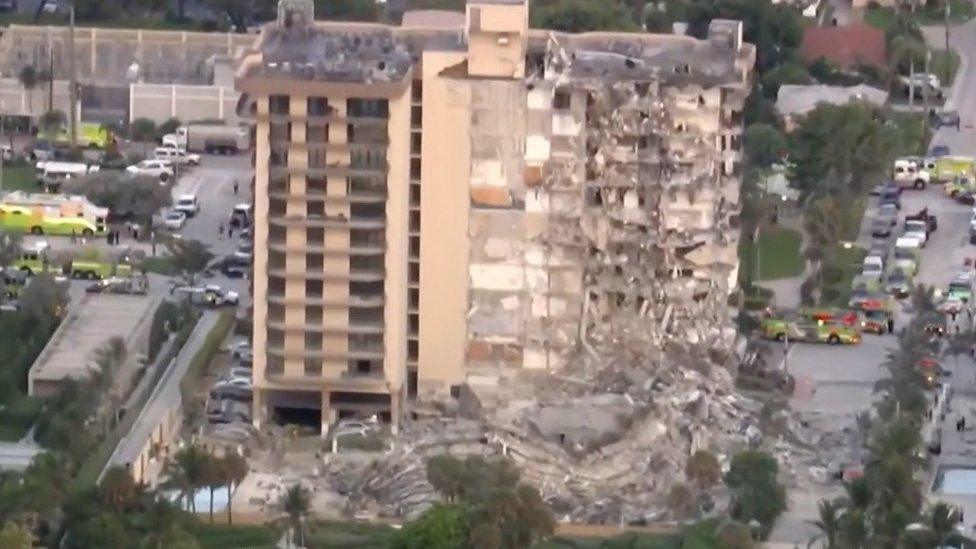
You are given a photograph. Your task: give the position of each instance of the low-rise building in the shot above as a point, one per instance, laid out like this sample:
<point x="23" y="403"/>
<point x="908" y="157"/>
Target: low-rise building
<point x="89" y="324"/>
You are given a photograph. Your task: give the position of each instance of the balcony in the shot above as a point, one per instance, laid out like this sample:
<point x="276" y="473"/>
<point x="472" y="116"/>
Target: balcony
<point x="344" y="301"/>
<point x="347" y="381"/>
<point x="326" y="222"/>
<point x="354" y="275"/>
<point x="331" y="170"/>
<point x="371" y="352"/>
<point x="365" y="328"/>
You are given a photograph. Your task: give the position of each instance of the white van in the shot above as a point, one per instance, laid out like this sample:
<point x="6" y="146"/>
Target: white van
<point x="911" y="172"/>
<point x="52" y="173"/>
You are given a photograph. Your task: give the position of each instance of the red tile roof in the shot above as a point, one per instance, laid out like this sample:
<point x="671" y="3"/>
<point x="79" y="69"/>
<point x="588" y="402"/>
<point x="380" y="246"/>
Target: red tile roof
<point x="846" y="46"/>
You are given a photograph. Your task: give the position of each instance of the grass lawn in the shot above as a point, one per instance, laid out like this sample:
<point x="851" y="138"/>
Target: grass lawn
<point x="161" y="264"/>
<point x="222" y="536"/>
<point x="880" y="18"/>
<point x="340" y="535"/>
<point x="779" y="254"/>
<point x="914" y="133"/>
<point x="884" y="18"/>
<point x="837" y="292"/>
<point x="960" y="11"/>
<point x="19" y="178"/>
<point x="942" y="62"/>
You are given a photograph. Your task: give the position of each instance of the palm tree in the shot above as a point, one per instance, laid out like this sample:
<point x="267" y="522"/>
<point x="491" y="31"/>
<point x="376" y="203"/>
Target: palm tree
<point x="186" y="473"/>
<point x="235" y="470"/>
<point x="854" y="528"/>
<point x="118" y="488"/>
<point x="28" y="80"/>
<point x="214" y="477"/>
<point x="828" y="522"/>
<point x="295" y="503"/>
<point x="942" y="520"/>
<point x="905" y="49"/>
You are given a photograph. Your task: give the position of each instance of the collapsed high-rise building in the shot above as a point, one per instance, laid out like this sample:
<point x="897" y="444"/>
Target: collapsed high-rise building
<point x="461" y="201"/>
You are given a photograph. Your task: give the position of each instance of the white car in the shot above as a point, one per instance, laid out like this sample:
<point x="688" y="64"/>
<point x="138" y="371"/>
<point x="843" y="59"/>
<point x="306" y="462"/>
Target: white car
<point x="174" y="220"/>
<point x="187" y="203"/>
<point x="163" y="169"/>
<point x="178" y="156"/>
<point x="242" y="382"/>
<point x="218" y="296"/>
<point x="240" y="372"/>
<point x="917" y="230"/>
<point x="50" y="6"/>
<point x="952" y="304"/>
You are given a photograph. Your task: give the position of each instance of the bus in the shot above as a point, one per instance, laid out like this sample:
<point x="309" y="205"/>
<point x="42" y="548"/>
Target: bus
<point x="51" y="214"/>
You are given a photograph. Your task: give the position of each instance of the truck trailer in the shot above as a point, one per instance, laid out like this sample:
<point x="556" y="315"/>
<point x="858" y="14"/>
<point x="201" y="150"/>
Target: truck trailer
<point x="210" y="138"/>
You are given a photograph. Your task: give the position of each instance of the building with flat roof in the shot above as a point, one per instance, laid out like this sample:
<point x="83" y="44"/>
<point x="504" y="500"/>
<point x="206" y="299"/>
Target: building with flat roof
<point x="457" y="200"/>
<point x="89" y="324"/>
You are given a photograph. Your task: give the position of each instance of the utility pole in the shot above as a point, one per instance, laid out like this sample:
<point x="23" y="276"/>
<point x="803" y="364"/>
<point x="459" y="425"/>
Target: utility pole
<point x="50" y="80"/>
<point x="72" y="79"/>
<point x="948" y="57"/>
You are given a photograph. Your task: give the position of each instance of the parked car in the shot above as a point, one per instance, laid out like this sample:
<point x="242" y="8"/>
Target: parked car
<point x="174" y="220"/>
<point x="937" y="119"/>
<point x="163" y="169"/>
<point x="188" y="204"/>
<point x="917" y="229"/>
<point x="232" y="392"/>
<point x="923" y="215"/>
<point x="880" y="228"/>
<point x="939" y="151"/>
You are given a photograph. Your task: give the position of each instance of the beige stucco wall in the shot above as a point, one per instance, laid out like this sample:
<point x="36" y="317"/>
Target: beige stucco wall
<point x="397" y="246"/>
<point x="260" y="282"/>
<point x="496" y="39"/>
<point x="444" y="243"/>
<point x="159" y="102"/>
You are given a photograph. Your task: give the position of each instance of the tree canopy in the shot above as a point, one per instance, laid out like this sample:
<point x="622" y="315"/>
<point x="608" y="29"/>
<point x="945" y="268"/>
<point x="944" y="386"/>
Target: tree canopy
<point x="842" y="149"/>
<point x="137" y="198"/>
<point x="582" y="16"/>
<point x="757" y="494"/>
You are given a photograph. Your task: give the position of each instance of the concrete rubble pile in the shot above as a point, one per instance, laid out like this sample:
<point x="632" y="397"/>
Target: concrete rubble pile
<point x="639" y="204"/>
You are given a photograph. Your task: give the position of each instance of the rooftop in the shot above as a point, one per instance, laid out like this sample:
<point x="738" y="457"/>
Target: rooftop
<point x="793" y="100"/>
<point x="90" y="323"/>
<point x="846" y="46"/>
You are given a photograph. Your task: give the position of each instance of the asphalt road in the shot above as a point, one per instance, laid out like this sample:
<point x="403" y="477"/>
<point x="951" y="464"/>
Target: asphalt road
<point x="834" y="384"/>
<point x="213" y="184"/>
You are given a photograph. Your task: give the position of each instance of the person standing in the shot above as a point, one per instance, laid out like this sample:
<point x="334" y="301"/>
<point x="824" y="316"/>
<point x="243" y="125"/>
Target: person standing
<point x="220" y="230"/>
<point x="235" y="187"/>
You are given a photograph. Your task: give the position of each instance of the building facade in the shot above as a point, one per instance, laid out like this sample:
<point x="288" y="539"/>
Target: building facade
<point x="460" y="199"/>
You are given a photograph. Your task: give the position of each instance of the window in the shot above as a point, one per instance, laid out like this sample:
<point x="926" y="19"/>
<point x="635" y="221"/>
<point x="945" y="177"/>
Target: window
<point x="315" y="236"/>
<point x="313" y="341"/>
<point x="276" y="365"/>
<point x="276" y="285"/>
<point x="416" y="116"/>
<point x="313" y="314"/>
<point x="318" y="106"/>
<point x="313" y="262"/>
<point x="313" y="288"/>
<point x="313" y="367"/>
<point x="417" y="91"/>
<point x="315" y="208"/>
<point x="560" y="100"/>
<point x="278" y="104"/>
<point x="368" y="108"/>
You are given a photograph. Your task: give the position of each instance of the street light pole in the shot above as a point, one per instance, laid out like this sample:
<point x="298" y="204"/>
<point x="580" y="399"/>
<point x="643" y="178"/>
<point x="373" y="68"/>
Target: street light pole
<point x="72" y="79"/>
<point x="948" y="56"/>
